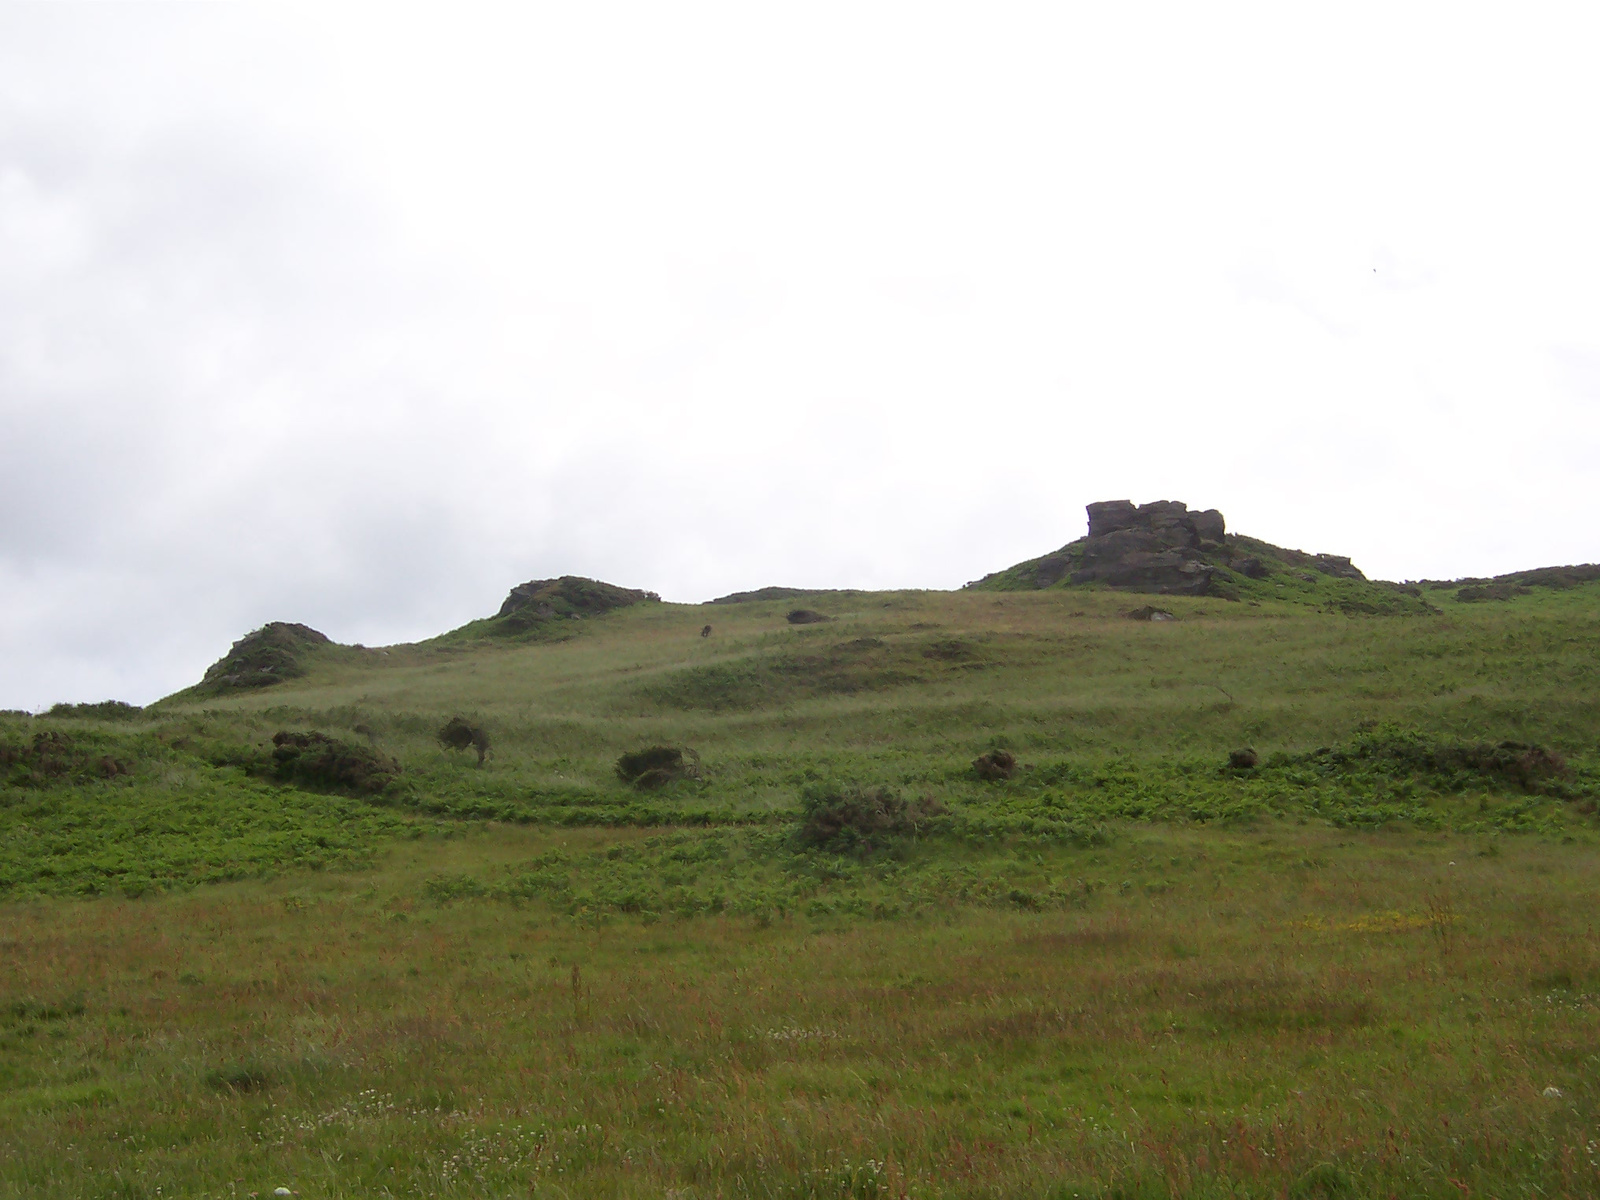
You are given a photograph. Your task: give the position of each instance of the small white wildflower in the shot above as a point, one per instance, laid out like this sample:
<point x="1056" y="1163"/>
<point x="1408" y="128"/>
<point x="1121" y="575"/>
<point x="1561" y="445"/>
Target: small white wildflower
<point x="1552" y="1093"/>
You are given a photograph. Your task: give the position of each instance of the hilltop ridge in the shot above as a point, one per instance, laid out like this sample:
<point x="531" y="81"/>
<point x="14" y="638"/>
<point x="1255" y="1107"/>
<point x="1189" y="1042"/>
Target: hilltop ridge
<point x="1162" y="548"/>
<point x="1166" y="548"/>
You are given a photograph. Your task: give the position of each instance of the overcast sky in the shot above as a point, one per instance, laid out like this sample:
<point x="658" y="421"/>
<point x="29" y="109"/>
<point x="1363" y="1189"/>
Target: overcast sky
<point x="359" y="319"/>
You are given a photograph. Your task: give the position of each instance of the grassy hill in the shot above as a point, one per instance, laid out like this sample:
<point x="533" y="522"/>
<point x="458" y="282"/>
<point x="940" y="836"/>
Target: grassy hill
<point x="264" y="935"/>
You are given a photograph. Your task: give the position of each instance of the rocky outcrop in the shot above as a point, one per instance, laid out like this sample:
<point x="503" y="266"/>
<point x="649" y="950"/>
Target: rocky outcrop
<point x="269" y="655"/>
<point x="541" y="600"/>
<point x="1167" y="548"/>
<point x="1159" y="547"/>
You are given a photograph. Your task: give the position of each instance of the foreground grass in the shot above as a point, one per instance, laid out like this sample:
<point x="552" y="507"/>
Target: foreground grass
<point x="1286" y="1010"/>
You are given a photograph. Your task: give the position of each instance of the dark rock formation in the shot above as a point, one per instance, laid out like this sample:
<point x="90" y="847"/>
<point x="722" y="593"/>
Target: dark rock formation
<point x="1166" y="548"/>
<point x="1156" y="547"/>
<point x="1149" y="613"/>
<point x="1339" y="568"/>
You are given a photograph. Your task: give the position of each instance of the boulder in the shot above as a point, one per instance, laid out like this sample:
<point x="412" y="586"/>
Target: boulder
<point x="1337" y="566"/>
<point x="1209" y="525"/>
<point x="1149" y="613"/>
<point x="1108" y="516"/>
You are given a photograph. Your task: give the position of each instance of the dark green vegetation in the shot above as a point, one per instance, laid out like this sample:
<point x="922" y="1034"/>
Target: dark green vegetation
<point x="534" y="606"/>
<point x="985" y="894"/>
<point x="277" y="651"/>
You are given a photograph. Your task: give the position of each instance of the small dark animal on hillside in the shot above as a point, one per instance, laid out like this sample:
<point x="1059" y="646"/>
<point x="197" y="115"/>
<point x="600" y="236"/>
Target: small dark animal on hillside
<point x="458" y="734"/>
<point x="706" y="632"/>
<point x="1243" y="759"/>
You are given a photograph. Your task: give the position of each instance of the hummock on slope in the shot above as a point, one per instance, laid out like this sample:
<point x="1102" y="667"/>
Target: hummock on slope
<point x="1166" y="548"/>
<point x="571" y="596"/>
<point x="269" y="655"/>
<point x="283" y="650"/>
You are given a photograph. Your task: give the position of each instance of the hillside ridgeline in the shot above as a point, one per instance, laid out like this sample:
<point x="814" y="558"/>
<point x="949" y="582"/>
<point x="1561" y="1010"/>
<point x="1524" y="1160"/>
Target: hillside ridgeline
<point x="1166" y="548"/>
<point x="533" y="611"/>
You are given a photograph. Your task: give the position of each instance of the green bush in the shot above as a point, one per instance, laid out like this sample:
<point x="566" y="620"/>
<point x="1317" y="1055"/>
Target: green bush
<point x="317" y="760"/>
<point x="847" y="817"/>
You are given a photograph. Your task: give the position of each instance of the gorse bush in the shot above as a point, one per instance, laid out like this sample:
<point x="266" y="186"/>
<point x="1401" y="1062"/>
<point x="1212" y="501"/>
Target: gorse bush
<point x="53" y="757"/>
<point x="458" y="734"/>
<point x="995" y="764"/>
<point x="655" y="766"/>
<point x="318" y="761"/>
<point x="847" y="817"/>
<point x="1451" y="765"/>
<point x="105" y="710"/>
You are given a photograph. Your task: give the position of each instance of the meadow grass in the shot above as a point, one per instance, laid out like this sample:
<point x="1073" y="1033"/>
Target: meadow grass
<point x="1130" y="970"/>
<point x="1288" y="1010"/>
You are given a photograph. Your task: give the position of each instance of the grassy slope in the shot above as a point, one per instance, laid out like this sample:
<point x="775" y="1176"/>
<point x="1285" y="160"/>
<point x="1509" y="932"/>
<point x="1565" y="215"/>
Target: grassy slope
<point x="1256" y="992"/>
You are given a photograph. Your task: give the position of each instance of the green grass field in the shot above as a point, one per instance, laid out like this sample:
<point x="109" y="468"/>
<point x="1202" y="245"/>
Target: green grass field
<point x="1365" y="966"/>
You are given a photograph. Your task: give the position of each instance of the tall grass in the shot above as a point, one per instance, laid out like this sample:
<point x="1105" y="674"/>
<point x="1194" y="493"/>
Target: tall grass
<point x="1224" y="1014"/>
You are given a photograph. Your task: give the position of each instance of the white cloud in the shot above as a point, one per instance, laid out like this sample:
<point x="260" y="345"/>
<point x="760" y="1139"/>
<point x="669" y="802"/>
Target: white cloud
<point x="359" y="317"/>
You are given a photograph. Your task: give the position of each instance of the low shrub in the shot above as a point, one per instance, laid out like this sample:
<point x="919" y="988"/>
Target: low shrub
<point x="656" y="766"/>
<point x="458" y="734"/>
<point x="105" y="710"/>
<point x="55" y="757"/>
<point x="1398" y="750"/>
<point x="847" y="817"/>
<point x="319" y="761"/>
<point x="996" y="764"/>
